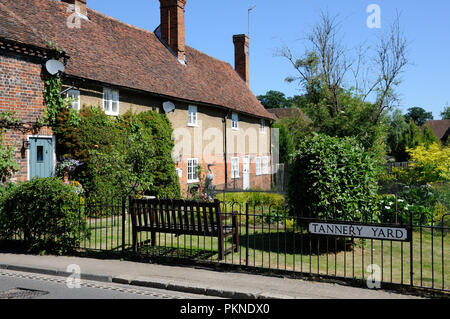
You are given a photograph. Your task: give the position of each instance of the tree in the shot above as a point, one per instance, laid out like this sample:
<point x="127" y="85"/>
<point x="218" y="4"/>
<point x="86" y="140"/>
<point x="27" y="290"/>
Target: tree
<point x="332" y="178"/>
<point x="418" y="115"/>
<point x="446" y="113"/>
<point x="273" y="100"/>
<point x="338" y="87"/>
<point x="396" y="133"/>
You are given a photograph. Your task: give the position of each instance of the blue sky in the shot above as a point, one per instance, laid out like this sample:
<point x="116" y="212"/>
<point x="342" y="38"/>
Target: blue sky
<point x="210" y="25"/>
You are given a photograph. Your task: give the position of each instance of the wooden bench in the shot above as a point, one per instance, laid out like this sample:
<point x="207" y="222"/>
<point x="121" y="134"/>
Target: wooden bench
<point x="182" y="217"/>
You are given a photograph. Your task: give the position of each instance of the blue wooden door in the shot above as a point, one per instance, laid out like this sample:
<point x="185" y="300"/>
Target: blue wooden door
<point x="41" y="157"/>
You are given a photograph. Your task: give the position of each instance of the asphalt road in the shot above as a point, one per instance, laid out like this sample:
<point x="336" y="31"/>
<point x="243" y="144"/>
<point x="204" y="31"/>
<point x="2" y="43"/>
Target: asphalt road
<point x="20" y="285"/>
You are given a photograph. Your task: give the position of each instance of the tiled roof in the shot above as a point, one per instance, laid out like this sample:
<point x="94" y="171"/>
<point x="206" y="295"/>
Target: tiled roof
<point x="440" y="128"/>
<point x="289" y="112"/>
<point x="107" y="50"/>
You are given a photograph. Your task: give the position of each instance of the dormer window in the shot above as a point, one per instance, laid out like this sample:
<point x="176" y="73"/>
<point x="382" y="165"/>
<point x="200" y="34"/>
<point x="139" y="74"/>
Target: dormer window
<point x="111" y="101"/>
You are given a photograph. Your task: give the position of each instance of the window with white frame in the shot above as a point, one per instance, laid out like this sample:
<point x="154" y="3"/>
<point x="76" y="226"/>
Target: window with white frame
<point x="262" y="127"/>
<point x="192" y="170"/>
<point x="74" y="95"/>
<point x="192" y="116"/>
<point x="234" y="121"/>
<point x="111" y="101"/>
<point x="265" y="165"/>
<point x="258" y="166"/>
<point x="235" y="167"/>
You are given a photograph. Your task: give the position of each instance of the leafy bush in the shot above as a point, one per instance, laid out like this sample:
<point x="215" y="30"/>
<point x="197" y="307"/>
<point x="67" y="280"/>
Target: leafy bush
<point x="428" y="204"/>
<point x="121" y="155"/>
<point x="332" y="177"/>
<point x="46" y="212"/>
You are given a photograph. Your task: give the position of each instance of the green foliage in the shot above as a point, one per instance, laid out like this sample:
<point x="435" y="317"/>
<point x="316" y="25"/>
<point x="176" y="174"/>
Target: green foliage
<point x="46" y="212"/>
<point x="446" y="113"/>
<point x="53" y="100"/>
<point x="418" y="115"/>
<point x="286" y="144"/>
<point x="8" y="165"/>
<point x="130" y="153"/>
<point x="332" y="177"/>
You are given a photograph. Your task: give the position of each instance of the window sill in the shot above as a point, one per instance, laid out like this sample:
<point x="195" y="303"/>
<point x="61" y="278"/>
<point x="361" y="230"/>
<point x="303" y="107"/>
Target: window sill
<point x="193" y="181"/>
<point x="193" y="125"/>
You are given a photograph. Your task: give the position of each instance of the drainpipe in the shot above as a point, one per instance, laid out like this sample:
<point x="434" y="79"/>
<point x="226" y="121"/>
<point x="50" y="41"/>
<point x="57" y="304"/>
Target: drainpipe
<point x="224" y="121"/>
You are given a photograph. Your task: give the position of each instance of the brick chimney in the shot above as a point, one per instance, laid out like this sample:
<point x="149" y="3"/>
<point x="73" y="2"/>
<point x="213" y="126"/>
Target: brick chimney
<point x="172" y="26"/>
<point x="80" y="5"/>
<point x="241" y="58"/>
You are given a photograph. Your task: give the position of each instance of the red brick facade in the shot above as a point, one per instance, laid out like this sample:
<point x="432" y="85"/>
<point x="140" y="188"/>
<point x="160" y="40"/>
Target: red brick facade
<point x="21" y="91"/>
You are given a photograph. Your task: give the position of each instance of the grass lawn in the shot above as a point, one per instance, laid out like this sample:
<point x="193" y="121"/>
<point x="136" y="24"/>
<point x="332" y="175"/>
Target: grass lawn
<point x="279" y="247"/>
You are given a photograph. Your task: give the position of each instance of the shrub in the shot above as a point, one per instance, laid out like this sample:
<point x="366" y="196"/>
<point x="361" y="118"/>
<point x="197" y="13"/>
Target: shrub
<point x="121" y="155"/>
<point x="46" y="212"/>
<point x="332" y="177"/>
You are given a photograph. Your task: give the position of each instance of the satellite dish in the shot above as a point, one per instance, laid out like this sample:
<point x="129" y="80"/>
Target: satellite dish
<point x="168" y="107"/>
<point x="54" y="67"/>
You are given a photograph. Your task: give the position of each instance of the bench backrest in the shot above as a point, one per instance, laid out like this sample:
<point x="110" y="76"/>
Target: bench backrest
<point x="176" y="216"/>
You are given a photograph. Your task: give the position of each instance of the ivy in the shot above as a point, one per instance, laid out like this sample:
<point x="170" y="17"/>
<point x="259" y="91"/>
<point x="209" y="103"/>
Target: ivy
<point x="53" y="100"/>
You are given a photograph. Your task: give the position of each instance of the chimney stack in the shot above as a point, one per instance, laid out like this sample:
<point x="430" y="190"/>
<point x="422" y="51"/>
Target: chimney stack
<point x="241" y="58"/>
<point x="172" y="26"/>
<point x="80" y="5"/>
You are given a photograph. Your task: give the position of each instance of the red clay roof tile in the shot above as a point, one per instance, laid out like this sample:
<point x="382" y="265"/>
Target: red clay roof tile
<point x="107" y="50"/>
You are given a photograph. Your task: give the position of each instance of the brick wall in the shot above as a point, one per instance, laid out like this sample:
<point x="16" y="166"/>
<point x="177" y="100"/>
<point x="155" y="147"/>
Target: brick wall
<point x="21" y="91"/>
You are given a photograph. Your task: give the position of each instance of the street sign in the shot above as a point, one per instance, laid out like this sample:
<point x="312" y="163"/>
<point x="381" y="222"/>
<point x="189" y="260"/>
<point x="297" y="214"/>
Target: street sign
<point x="360" y="231"/>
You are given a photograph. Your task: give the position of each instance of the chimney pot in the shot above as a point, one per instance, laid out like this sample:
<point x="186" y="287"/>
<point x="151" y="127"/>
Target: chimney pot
<point x="241" y="57"/>
<point x="173" y="26"/>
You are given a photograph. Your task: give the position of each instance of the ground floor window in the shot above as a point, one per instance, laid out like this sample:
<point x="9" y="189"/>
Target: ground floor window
<point x="258" y="166"/>
<point x="265" y="168"/>
<point x="192" y="170"/>
<point x="235" y="167"/>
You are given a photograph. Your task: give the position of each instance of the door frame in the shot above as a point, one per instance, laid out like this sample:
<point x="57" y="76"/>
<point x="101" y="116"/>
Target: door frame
<point x="53" y="147"/>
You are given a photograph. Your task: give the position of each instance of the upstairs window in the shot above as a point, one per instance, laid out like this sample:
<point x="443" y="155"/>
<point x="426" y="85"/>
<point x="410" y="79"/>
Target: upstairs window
<point x="262" y="127"/>
<point x="75" y="96"/>
<point x="111" y="101"/>
<point x="192" y="116"/>
<point x="234" y="121"/>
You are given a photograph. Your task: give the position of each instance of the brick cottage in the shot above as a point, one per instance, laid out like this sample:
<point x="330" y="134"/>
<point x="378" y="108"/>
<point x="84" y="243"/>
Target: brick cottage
<point x="216" y="118"/>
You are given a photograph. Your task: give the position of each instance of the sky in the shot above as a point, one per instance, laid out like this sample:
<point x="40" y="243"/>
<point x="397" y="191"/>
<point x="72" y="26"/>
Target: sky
<point x="210" y="25"/>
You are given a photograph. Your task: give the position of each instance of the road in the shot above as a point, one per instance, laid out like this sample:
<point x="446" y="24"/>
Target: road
<point x="21" y="285"/>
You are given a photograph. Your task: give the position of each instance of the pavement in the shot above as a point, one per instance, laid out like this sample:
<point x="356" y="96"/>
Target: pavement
<point x="189" y="280"/>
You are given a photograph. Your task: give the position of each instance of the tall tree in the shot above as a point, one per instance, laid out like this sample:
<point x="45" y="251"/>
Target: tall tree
<point x="446" y="113"/>
<point x="418" y="115"/>
<point x="338" y="86"/>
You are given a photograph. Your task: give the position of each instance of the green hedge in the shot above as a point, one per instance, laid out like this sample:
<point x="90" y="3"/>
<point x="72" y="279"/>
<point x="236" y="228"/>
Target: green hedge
<point x="46" y="213"/>
<point x="120" y="155"/>
<point x="334" y="178"/>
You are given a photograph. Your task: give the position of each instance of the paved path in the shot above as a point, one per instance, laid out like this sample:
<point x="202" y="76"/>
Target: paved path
<point x="191" y="280"/>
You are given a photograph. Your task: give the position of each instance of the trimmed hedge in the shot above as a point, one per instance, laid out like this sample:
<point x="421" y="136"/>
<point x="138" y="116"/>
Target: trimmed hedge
<point x="131" y="153"/>
<point x="46" y="212"/>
